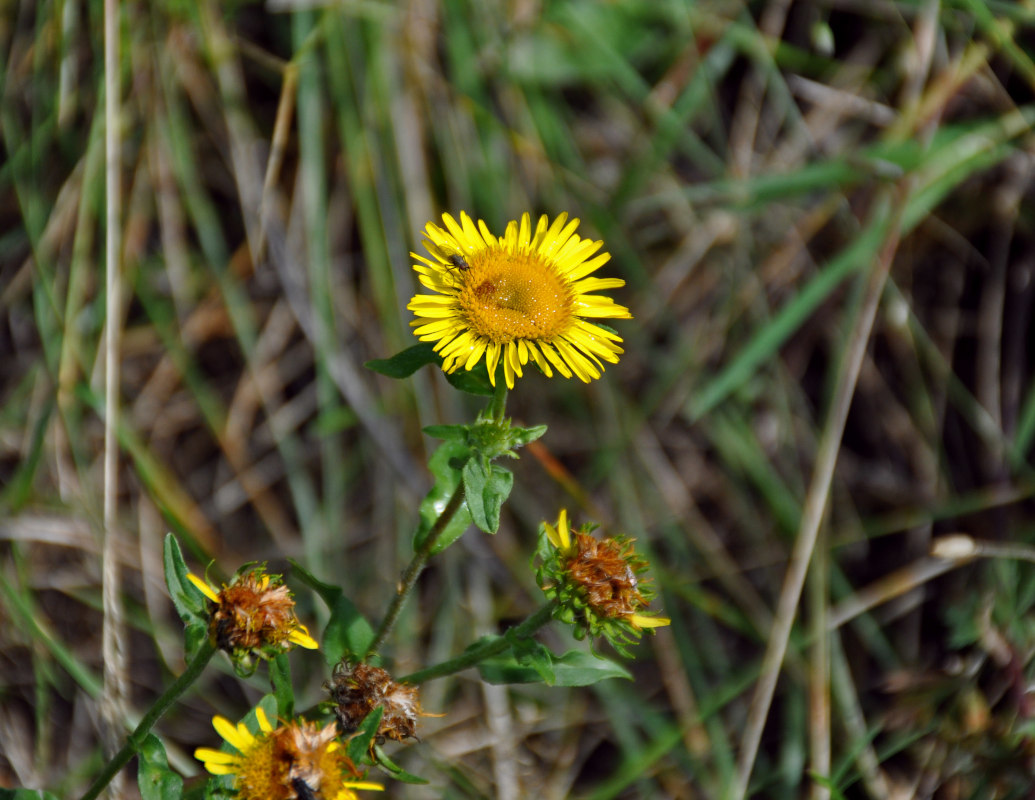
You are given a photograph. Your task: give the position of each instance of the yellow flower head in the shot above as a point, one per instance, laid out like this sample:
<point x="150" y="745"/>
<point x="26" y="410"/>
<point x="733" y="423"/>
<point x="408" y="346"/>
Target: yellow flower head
<point x="525" y="295"/>
<point x="595" y="582"/>
<point x="254" y="615"/>
<point x="297" y="761"/>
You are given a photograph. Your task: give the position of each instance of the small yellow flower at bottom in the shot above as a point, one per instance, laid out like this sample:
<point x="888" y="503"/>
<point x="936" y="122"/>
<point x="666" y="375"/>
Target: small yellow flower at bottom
<point x="296" y="761"/>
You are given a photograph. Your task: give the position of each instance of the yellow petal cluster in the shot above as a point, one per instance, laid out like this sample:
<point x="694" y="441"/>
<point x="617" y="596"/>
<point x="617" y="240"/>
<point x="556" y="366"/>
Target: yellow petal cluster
<point x="528" y="295"/>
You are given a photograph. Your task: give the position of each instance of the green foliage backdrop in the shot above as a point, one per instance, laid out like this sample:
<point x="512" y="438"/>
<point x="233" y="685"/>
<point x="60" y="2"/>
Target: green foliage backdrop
<point x="756" y="169"/>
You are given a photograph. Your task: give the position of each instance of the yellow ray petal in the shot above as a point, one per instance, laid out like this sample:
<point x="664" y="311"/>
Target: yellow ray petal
<point x="203" y="587"/>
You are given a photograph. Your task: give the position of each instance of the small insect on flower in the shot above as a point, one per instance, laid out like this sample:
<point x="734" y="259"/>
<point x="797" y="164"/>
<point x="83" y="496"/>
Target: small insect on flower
<point x="302" y="789"/>
<point x="298" y="760"/>
<point x="458" y="261"/>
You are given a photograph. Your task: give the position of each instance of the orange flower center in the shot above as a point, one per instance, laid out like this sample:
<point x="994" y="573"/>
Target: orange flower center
<point x="507" y="296"/>
<point x="273" y="768"/>
<point x="603" y="570"/>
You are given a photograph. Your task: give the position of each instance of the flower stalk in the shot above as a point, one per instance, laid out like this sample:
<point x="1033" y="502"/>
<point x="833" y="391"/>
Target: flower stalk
<point x="493" y="647"/>
<point x="498" y="403"/>
<point x="413" y="571"/>
<point x="136" y="739"/>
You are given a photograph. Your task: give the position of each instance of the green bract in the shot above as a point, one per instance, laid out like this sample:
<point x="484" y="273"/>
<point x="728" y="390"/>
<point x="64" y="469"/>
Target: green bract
<point x="568" y="577"/>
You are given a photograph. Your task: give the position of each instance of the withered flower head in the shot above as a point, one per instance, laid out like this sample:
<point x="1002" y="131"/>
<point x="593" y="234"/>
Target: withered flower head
<point x="254" y="615"/>
<point x="297" y="761"/>
<point x="357" y="689"/>
<point x="595" y="583"/>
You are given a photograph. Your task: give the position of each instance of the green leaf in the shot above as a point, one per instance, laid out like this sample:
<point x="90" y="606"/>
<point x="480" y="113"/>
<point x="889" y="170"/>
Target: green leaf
<point x="393" y="769"/>
<point x="348" y="634"/>
<point x="190" y="603"/>
<point x="154" y="778"/>
<point x="519" y="437"/>
<point x="532" y="653"/>
<point x="446" y="465"/>
<point x="280" y="679"/>
<point x="406" y="362"/>
<point x="574" y="668"/>
<point x="474" y="381"/>
<point x="403" y="364"/>
<point x="485" y="492"/>
<point x="458" y="433"/>
<point x="193" y="637"/>
<point x="26" y="794"/>
<point x="359" y="742"/>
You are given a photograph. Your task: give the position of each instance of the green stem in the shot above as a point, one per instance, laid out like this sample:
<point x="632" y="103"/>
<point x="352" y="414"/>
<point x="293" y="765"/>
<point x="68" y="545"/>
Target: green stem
<point x="136" y="739"/>
<point x="498" y="404"/>
<point x="413" y="571"/>
<point x="478" y="653"/>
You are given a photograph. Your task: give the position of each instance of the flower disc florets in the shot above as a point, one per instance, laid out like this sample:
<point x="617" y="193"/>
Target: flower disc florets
<point x="357" y="689"/>
<point x="525" y="295"/>
<point x="595" y="583"/>
<point x="296" y="761"/>
<point x="254" y="615"/>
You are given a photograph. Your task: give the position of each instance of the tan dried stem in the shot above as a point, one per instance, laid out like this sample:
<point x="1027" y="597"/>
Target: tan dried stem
<point x="114" y="695"/>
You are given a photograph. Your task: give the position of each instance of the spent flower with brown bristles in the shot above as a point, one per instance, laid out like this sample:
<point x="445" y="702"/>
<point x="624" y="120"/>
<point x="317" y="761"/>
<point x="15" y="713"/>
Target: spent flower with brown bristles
<point x="596" y="583"/>
<point x="296" y="761"/>
<point x="357" y="689"/>
<point x="526" y="295"/>
<point x="254" y="616"/>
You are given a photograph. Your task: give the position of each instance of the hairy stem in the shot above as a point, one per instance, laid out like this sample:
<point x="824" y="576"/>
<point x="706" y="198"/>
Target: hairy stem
<point x="478" y="653"/>
<point x="160" y="706"/>
<point x="498" y="403"/>
<point x="413" y="571"/>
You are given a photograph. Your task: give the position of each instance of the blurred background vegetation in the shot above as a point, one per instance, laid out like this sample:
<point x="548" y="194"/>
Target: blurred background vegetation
<point x="750" y="166"/>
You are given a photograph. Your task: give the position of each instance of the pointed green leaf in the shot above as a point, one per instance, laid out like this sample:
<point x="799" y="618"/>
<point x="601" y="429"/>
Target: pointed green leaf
<point x="348" y="634"/>
<point x="406" y="362"/>
<point x="403" y="364"/>
<point x="531" y="653"/>
<point x="193" y="637"/>
<point x="446" y="465"/>
<point x="519" y="437"/>
<point x="190" y="603"/>
<point x="474" y="381"/>
<point x="359" y="742"/>
<point x="457" y="433"/>
<point x="574" y="668"/>
<point x="393" y="769"/>
<point x="154" y="778"/>
<point x="280" y="679"/>
<point x="485" y="492"/>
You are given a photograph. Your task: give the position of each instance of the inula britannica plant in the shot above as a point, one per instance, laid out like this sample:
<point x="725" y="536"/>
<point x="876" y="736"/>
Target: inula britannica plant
<point x="498" y="308"/>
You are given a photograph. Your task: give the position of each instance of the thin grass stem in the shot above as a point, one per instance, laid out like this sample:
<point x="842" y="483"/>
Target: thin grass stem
<point x="814" y="509"/>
